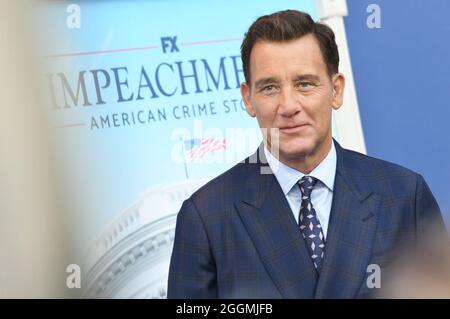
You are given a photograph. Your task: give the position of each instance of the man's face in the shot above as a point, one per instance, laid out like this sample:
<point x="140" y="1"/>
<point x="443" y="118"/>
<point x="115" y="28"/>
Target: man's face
<point x="291" y="90"/>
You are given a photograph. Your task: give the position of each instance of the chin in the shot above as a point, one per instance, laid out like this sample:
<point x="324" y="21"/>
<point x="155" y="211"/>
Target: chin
<point x="297" y="148"/>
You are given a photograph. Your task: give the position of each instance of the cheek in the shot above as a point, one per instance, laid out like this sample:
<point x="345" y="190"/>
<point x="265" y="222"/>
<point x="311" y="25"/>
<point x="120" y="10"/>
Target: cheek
<point x="324" y="124"/>
<point x="266" y="112"/>
<point x="319" y="112"/>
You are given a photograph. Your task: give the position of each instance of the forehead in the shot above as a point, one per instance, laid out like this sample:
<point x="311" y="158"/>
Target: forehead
<point x="302" y="55"/>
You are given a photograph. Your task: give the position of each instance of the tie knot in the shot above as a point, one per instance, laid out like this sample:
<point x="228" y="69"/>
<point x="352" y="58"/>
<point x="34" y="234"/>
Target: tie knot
<point x="306" y="185"/>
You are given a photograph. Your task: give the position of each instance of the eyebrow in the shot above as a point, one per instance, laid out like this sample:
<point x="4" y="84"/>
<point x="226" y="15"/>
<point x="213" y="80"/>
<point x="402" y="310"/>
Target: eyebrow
<point x="308" y="77"/>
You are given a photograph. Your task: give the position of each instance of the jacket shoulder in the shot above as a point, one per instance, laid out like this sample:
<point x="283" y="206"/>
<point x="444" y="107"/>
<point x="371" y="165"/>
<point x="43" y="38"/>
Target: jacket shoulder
<point x="221" y="191"/>
<point x="373" y="165"/>
<point x="383" y="176"/>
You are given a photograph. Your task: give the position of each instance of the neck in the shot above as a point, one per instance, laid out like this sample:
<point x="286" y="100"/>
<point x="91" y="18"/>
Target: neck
<point x="307" y="163"/>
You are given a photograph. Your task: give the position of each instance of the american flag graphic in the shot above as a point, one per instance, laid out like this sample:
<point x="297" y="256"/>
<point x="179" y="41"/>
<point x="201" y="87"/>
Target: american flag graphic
<point x="199" y="147"/>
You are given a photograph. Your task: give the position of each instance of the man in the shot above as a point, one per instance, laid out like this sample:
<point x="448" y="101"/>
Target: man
<point x="312" y="227"/>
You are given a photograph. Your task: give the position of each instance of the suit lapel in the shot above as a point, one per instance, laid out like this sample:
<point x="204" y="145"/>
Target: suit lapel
<point x="269" y="222"/>
<point x="351" y="231"/>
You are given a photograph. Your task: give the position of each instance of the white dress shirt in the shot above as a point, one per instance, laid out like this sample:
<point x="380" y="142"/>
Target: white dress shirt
<point x="322" y="194"/>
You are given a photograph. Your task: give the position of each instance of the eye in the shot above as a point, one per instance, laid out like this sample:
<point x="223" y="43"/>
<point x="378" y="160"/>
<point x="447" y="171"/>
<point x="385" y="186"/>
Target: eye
<point x="305" y="85"/>
<point x="269" y="89"/>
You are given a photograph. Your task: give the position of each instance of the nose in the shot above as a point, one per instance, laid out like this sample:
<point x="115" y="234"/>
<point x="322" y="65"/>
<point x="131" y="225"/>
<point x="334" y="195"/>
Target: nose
<point x="289" y="104"/>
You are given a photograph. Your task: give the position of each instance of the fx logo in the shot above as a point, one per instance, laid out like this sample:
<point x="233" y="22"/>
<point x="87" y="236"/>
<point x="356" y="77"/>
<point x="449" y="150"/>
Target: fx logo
<point x="169" y="43"/>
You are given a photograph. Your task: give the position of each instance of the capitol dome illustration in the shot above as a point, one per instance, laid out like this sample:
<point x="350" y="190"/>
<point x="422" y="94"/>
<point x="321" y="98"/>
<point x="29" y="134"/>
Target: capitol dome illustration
<point x="130" y="259"/>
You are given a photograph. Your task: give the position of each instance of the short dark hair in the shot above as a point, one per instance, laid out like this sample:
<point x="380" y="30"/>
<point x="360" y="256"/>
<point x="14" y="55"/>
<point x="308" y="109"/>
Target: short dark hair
<point x="289" y="25"/>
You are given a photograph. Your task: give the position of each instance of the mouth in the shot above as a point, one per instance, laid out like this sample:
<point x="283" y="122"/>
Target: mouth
<point x="293" y="129"/>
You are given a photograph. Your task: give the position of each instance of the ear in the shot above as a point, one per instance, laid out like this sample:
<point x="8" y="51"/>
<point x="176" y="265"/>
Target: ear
<point x="338" y="83"/>
<point x="245" y="92"/>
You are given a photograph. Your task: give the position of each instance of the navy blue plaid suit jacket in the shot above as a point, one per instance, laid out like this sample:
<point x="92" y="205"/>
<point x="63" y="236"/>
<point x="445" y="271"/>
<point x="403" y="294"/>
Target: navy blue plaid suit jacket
<point x="236" y="236"/>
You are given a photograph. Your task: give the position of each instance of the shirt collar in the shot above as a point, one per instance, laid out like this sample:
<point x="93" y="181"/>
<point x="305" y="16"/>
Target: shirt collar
<point x="287" y="176"/>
